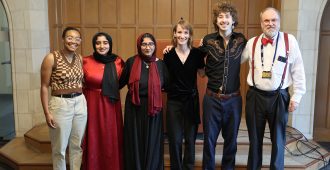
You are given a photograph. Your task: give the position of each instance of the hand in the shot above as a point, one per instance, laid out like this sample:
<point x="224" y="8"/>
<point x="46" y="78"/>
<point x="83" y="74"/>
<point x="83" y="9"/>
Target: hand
<point x="167" y="49"/>
<point x="50" y="120"/>
<point x="293" y="106"/>
<point x="201" y="42"/>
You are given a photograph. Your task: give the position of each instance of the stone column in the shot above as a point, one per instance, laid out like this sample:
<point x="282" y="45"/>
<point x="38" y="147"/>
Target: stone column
<point x="29" y="36"/>
<point x="302" y="18"/>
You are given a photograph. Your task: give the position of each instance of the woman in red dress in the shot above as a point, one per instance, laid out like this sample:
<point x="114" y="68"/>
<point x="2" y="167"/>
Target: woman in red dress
<point x="103" y="145"/>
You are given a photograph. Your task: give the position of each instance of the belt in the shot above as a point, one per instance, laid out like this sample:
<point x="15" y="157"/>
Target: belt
<point x="222" y="96"/>
<point x="268" y="93"/>
<point x="71" y="95"/>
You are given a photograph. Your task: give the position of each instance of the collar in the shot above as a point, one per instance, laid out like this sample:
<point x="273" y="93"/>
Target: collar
<point x="274" y="38"/>
<point x="232" y="36"/>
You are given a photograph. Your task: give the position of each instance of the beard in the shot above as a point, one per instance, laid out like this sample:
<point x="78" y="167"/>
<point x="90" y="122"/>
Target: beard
<point x="271" y="32"/>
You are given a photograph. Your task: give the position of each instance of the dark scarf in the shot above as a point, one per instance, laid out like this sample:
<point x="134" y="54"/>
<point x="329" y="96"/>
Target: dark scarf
<point x="110" y="84"/>
<point x="155" y="103"/>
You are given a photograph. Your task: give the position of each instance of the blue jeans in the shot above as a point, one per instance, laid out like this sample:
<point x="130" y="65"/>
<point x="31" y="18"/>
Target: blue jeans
<point x="70" y="115"/>
<point x="220" y="115"/>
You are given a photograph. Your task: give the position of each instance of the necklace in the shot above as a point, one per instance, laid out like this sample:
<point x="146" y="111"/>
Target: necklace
<point x="147" y="65"/>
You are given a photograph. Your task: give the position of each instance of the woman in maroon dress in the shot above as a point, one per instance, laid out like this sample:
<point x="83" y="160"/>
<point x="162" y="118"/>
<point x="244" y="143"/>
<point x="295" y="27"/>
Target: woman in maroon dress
<point x="103" y="145"/>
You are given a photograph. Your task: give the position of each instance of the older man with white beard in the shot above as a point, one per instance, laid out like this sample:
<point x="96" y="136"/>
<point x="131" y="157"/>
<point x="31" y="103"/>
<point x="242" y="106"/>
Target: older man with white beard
<point x="275" y="64"/>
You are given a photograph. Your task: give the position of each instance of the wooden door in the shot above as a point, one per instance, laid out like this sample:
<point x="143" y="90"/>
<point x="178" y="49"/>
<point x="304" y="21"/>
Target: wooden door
<point x="124" y="20"/>
<point x="322" y="96"/>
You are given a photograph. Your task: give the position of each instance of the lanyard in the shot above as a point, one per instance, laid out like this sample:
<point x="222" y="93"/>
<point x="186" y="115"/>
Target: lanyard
<point x="262" y="53"/>
<point x="286" y="41"/>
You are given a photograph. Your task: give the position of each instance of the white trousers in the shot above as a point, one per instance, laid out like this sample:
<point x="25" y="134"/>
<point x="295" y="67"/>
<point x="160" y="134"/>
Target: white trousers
<point x="70" y="115"/>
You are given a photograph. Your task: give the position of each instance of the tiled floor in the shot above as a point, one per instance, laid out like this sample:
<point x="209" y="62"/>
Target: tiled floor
<point x="325" y="145"/>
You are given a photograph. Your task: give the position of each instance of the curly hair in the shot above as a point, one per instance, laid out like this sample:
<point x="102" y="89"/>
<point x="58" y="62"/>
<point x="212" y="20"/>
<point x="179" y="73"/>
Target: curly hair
<point x="67" y="29"/>
<point x="224" y="7"/>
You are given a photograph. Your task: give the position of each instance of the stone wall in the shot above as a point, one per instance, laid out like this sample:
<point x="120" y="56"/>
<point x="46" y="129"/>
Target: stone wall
<point x="302" y="18"/>
<point x="29" y="36"/>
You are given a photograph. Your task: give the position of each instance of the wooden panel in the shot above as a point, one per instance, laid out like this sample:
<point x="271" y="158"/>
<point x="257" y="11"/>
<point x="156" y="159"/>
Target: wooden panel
<point x="127" y="42"/>
<point x="58" y="40"/>
<point x="90" y="12"/>
<point x="241" y="30"/>
<point x="146" y="12"/>
<point x="325" y="20"/>
<point x="127" y="12"/>
<point x="113" y="33"/>
<point x="161" y="44"/>
<point x="322" y="90"/>
<point x="52" y="26"/>
<point x="164" y="12"/>
<point x="277" y="4"/>
<point x="254" y="10"/>
<point x="86" y="45"/>
<point x="199" y="33"/>
<point x="241" y="9"/>
<point x="321" y="134"/>
<point x="108" y="9"/>
<point x="253" y="32"/>
<point x="200" y="12"/>
<point x="181" y="10"/>
<point x="72" y="10"/>
<point x="145" y="30"/>
<point x="164" y="33"/>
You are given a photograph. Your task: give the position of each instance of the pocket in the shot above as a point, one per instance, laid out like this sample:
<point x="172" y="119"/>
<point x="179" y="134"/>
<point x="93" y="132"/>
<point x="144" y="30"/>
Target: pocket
<point x="285" y="96"/>
<point x="84" y="103"/>
<point x="277" y="73"/>
<point x="278" y="68"/>
<point x="54" y="103"/>
<point x="248" y="94"/>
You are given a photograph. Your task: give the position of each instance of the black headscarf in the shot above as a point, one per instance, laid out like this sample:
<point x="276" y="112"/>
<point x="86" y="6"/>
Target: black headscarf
<point x="110" y="84"/>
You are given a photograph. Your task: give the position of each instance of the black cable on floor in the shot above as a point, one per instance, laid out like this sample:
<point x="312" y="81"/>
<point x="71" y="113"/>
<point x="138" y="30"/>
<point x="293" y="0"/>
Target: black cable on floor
<point x="304" y="142"/>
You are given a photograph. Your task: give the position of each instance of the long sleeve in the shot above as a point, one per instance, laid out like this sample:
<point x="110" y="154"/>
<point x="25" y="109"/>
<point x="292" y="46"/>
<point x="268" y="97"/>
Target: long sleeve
<point x="297" y="71"/>
<point x="295" y="74"/>
<point x="125" y="74"/>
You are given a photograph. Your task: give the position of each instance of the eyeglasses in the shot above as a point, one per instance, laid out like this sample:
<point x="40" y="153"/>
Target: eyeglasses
<point x="71" y="39"/>
<point x="151" y="44"/>
<point x="268" y="21"/>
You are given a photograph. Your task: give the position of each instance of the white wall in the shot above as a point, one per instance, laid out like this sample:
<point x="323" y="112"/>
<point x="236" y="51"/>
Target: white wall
<point x="302" y="18"/>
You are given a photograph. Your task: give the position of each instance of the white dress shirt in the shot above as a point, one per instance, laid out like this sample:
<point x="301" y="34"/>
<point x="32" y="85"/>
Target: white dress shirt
<point x="295" y="74"/>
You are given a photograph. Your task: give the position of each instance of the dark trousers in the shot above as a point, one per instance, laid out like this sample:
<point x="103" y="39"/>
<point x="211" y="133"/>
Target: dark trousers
<point x="272" y="107"/>
<point x="181" y="124"/>
<point x="220" y="115"/>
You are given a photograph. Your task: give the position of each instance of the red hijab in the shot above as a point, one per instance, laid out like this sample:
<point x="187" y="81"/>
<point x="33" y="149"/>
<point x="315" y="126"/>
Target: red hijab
<point x="155" y="104"/>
